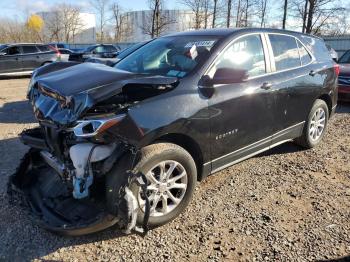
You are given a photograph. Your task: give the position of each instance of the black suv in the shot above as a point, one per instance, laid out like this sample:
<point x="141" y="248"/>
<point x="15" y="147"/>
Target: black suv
<point x="128" y="143"/>
<point x="22" y="59"/>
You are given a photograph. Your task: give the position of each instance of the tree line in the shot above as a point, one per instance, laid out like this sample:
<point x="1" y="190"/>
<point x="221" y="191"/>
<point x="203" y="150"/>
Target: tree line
<point x="63" y="21"/>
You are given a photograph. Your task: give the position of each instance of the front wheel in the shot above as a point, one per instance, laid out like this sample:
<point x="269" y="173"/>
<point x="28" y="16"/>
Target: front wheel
<point x="315" y="126"/>
<point x="171" y="177"/>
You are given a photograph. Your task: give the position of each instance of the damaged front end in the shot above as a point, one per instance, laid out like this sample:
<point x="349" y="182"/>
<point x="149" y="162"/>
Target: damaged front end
<point x="84" y="131"/>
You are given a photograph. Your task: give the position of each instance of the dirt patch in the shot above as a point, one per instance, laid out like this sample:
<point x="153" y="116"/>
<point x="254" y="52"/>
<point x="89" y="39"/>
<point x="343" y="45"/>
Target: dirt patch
<point x="287" y="204"/>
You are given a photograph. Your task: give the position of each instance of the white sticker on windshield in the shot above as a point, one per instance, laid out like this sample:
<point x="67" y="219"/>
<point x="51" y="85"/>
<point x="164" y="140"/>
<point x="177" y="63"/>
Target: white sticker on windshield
<point x="200" y="43"/>
<point x="193" y="52"/>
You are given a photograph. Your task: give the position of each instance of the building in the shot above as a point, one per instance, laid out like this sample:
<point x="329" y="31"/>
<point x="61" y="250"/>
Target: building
<point x="139" y="22"/>
<point x="81" y="28"/>
<point x="339" y="43"/>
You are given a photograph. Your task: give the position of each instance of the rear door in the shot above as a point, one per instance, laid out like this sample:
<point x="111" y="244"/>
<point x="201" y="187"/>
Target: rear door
<point x="293" y="86"/>
<point x="31" y="57"/>
<point x="10" y="61"/>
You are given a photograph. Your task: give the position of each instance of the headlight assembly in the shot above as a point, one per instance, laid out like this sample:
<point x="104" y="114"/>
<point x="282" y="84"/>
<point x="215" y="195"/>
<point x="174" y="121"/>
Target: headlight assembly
<point x="90" y="128"/>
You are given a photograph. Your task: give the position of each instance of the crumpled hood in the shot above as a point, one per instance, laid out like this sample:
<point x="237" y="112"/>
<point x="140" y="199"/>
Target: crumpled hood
<point x="65" y="91"/>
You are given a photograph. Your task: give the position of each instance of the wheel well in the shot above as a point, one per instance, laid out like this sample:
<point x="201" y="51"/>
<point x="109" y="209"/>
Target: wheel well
<point x="189" y="145"/>
<point x="328" y="101"/>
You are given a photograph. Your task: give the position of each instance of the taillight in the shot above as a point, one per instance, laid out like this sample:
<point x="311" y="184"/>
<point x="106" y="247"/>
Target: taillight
<point x="336" y="69"/>
<point x="58" y="54"/>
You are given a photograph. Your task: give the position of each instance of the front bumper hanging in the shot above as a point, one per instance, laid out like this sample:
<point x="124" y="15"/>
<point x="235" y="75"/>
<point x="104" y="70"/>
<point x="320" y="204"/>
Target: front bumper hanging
<point x="42" y="191"/>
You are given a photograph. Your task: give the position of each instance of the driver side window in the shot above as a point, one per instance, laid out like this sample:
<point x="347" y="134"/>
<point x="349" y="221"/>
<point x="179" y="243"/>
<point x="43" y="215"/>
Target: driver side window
<point x="246" y="54"/>
<point x="13" y="50"/>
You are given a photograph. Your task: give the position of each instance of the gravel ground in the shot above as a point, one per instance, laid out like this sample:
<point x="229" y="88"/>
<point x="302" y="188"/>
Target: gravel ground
<point x="287" y="204"/>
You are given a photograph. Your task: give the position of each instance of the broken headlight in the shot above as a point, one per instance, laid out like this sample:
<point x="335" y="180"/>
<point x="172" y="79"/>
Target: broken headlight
<point x="90" y="128"/>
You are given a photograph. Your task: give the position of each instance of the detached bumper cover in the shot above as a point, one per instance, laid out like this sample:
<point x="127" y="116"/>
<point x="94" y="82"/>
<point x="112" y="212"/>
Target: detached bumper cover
<point x="41" y="191"/>
<point x="37" y="188"/>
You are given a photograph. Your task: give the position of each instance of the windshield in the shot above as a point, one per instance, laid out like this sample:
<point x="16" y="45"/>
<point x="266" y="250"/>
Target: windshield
<point x="90" y="48"/>
<point x="169" y="56"/>
<point x="129" y="50"/>
<point x="345" y="58"/>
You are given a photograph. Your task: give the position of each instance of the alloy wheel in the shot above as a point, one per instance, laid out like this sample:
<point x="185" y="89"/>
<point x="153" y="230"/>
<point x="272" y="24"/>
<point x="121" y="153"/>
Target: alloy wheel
<point x="166" y="187"/>
<point x="317" y="124"/>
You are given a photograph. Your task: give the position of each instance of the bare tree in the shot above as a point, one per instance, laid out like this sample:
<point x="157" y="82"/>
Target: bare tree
<point x="100" y="7"/>
<point x="239" y="14"/>
<point x="158" y="21"/>
<point x="71" y="21"/>
<point x="196" y="6"/>
<point x="206" y="12"/>
<point x="121" y="24"/>
<point x="319" y="16"/>
<point x="285" y="8"/>
<point x="214" y="13"/>
<point x="63" y="23"/>
<point x="262" y="5"/>
<point x="304" y="15"/>
<point x="228" y="16"/>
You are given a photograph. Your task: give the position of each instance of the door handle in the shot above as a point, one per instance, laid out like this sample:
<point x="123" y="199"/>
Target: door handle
<point x="313" y="73"/>
<point x="266" y="86"/>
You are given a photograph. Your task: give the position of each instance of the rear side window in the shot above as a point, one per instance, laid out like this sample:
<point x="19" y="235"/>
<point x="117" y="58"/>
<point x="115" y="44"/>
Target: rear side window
<point x="29" y="49"/>
<point x="110" y="48"/>
<point x="305" y="57"/>
<point x="44" y="48"/>
<point x="246" y="53"/>
<point x="100" y="49"/>
<point x="285" y="51"/>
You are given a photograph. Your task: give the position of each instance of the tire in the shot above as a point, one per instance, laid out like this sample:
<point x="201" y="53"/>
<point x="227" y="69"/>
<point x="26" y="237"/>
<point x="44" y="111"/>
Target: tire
<point x="309" y="139"/>
<point x="151" y="158"/>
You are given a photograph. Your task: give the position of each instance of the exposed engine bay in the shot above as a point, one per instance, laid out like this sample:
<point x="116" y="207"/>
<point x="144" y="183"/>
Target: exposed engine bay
<point x="81" y="137"/>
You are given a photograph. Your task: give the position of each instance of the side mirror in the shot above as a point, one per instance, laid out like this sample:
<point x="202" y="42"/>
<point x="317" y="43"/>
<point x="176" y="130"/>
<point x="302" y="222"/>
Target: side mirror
<point x="229" y="76"/>
<point x="2" y="53"/>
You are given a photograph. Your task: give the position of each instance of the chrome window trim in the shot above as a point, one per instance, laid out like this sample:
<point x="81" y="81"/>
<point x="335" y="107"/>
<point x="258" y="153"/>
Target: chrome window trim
<point x="313" y="59"/>
<point x="269" y="57"/>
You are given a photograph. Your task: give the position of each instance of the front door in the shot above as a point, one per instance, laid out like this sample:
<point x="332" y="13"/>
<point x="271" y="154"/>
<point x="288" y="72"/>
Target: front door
<point x="241" y="113"/>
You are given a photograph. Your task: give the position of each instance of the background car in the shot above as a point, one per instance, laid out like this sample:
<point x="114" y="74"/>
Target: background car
<point x="22" y="59"/>
<point x="344" y="77"/>
<point x="64" y="54"/>
<point x="100" y="51"/>
<point x="59" y="45"/>
<point x="122" y="54"/>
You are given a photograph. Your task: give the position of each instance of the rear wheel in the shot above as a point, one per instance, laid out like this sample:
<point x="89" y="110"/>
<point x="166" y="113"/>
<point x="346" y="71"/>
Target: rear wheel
<point x="315" y="126"/>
